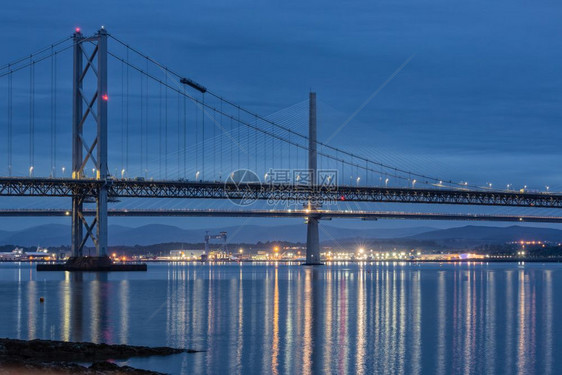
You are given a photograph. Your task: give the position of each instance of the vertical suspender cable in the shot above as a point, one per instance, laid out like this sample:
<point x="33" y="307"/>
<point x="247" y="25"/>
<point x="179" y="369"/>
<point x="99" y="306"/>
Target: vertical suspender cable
<point x="290" y="148"/>
<point x="127" y="122"/>
<point x="214" y="146"/>
<point x="297" y="158"/>
<point x="238" y="126"/>
<point x="179" y="135"/>
<point x="366" y="173"/>
<point x="338" y="178"/>
<point x="10" y="124"/>
<point x="255" y="147"/>
<point x="51" y="172"/>
<point x="320" y="158"/>
<point x="342" y="172"/>
<point x="248" y="148"/>
<point x="184" y="137"/>
<point x="220" y="146"/>
<point x="55" y="116"/>
<point x="231" y="148"/>
<point x="166" y="127"/>
<point x="146" y="124"/>
<point x="280" y="155"/>
<point x="122" y="116"/>
<point x="160" y="136"/>
<point x="196" y="140"/>
<point x="31" y="116"/>
<point x="142" y="126"/>
<point x="203" y="138"/>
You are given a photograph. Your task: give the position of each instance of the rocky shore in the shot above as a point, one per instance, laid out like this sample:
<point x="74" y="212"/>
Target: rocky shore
<point x="60" y="357"/>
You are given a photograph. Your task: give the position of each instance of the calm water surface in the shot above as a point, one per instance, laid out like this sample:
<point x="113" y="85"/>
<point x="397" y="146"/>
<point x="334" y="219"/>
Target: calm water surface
<point x="259" y="318"/>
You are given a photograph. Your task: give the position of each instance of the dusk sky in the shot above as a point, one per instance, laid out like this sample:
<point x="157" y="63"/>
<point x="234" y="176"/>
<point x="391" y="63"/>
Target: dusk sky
<point x="479" y="97"/>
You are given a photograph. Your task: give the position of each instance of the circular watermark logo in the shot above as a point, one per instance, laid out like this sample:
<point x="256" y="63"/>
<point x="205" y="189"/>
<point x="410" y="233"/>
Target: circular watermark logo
<point x="242" y="187"/>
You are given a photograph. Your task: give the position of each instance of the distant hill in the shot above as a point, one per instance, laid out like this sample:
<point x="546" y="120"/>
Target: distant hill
<point x="491" y="234"/>
<point x="44" y="235"/>
<point x="58" y="234"/>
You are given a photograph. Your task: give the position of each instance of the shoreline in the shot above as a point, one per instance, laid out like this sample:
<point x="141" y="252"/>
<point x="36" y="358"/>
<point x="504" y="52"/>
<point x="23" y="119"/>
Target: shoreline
<point x="487" y="260"/>
<point x="61" y="357"/>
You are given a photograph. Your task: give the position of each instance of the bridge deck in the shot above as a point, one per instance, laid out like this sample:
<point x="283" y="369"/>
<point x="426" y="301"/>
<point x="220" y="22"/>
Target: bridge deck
<point x="324" y="214"/>
<point x="57" y="187"/>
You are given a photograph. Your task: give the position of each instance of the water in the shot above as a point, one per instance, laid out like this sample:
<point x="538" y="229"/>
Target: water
<point x="258" y="318"/>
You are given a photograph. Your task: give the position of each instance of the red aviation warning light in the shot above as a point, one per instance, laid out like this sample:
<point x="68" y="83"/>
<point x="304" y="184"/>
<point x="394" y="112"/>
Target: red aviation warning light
<point x="105" y="97"/>
<point x="77" y="30"/>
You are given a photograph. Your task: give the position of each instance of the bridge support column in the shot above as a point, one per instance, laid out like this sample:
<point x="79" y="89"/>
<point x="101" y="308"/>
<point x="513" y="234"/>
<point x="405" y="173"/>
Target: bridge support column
<point x="312" y="243"/>
<point x="89" y="111"/>
<point x="77" y="113"/>
<point x="102" y="170"/>
<point x="312" y="236"/>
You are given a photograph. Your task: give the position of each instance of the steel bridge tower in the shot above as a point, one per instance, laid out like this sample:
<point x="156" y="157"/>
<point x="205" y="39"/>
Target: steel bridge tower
<point x="89" y="69"/>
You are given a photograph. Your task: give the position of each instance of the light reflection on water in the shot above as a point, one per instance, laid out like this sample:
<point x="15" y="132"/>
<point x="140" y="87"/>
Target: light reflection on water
<point x="349" y="318"/>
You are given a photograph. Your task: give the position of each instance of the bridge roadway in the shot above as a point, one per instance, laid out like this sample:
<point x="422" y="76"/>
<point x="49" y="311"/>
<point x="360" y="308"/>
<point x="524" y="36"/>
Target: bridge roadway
<point x="60" y="187"/>
<point x="323" y="214"/>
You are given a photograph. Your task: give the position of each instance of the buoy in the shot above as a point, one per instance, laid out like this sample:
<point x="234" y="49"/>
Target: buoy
<point x="41" y="299"/>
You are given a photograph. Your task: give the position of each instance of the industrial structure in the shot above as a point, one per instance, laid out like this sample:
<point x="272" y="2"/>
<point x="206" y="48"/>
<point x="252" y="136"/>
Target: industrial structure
<point x="221" y="236"/>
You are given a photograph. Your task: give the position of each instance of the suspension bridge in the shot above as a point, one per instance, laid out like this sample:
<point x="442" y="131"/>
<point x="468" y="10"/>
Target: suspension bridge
<point x="139" y="129"/>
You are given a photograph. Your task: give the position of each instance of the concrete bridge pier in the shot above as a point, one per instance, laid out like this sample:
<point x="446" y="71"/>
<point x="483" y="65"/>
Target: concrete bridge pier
<point x="312" y="243"/>
<point x="312" y="236"/>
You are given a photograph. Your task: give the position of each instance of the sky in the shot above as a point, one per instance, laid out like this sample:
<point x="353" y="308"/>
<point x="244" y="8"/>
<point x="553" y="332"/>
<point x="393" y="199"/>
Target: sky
<point x="477" y="98"/>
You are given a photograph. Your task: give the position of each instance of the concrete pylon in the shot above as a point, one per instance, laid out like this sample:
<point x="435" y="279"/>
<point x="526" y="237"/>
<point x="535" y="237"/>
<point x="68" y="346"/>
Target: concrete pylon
<point x="312" y="237"/>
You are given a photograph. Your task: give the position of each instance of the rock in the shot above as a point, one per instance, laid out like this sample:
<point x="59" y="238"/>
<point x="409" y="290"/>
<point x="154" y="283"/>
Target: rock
<point x="47" y="356"/>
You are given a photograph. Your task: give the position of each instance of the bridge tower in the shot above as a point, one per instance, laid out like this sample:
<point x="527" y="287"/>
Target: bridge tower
<point x="312" y="237"/>
<point x="89" y="112"/>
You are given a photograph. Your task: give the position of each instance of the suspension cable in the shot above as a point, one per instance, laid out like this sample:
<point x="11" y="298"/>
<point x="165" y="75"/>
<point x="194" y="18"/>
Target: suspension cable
<point x="343" y="152"/>
<point x="14" y="69"/>
<point x="11" y="64"/>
